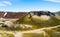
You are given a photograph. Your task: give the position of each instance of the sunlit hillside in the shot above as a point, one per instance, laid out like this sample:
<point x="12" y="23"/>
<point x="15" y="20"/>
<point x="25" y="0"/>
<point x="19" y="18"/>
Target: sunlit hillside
<point x="42" y="21"/>
<point x="33" y="26"/>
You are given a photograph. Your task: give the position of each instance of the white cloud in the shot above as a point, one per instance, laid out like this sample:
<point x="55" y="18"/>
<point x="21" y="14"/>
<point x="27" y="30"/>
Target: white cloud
<point x="53" y="0"/>
<point x="2" y="4"/>
<point x="5" y="3"/>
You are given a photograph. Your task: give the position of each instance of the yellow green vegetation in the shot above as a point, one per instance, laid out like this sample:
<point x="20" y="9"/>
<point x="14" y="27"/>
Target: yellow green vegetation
<point x="6" y="35"/>
<point x="53" y="21"/>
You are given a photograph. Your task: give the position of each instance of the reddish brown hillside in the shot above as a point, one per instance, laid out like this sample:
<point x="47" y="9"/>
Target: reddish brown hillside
<point x="13" y="14"/>
<point x="1" y="14"/>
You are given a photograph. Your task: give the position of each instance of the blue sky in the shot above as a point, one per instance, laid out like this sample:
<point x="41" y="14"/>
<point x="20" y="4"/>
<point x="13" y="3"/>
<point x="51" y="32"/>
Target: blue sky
<point x="29" y="5"/>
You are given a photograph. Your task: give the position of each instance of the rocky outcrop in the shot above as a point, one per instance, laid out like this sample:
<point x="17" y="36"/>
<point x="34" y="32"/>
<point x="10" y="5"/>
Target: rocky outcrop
<point x="39" y="13"/>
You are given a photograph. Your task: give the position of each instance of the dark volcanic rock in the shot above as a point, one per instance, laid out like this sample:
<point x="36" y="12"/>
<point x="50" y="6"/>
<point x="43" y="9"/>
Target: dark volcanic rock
<point x="39" y="13"/>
